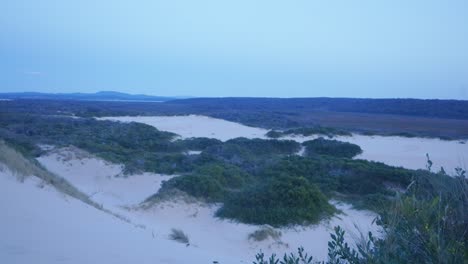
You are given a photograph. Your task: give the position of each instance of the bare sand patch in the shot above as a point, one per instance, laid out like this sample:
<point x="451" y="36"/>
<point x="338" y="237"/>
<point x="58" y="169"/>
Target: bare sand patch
<point x="392" y="150"/>
<point x="195" y="126"/>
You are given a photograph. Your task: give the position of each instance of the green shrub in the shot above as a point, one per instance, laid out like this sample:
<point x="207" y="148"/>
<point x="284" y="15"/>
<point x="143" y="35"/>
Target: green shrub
<point x="317" y="130"/>
<point x="429" y="226"/>
<point x="266" y="147"/>
<point x="197" y="143"/>
<point x="335" y="148"/>
<point x="281" y="201"/>
<point x="229" y="176"/>
<point x="274" y="134"/>
<point x="199" y="186"/>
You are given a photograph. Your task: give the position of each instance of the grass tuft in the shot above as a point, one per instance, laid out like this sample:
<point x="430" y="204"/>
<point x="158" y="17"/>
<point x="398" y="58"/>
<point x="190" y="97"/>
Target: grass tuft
<point x="179" y="236"/>
<point x="265" y="232"/>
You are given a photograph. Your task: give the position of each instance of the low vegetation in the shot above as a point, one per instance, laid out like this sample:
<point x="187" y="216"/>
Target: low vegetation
<point x="309" y="131"/>
<point x="423" y="214"/>
<point x="250" y="177"/>
<point x="280" y="201"/>
<point x="425" y="224"/>
<point x="179" y="236"/>
<point x="265" y="232"/>
<point x="321" y="146"/>
<point x="24" y="167"/>
<point x="264" y="182"/>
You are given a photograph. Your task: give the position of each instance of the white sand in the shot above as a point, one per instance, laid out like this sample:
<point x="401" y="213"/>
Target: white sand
<point x="411" y="152"/>
<point x="195" y="126"/>
<point x="227" y="241"/>
<point x="42" y="226"/>
<point x="397" y="151"/>
<point x="193" y="152"/>
<point x="101" y="180"/>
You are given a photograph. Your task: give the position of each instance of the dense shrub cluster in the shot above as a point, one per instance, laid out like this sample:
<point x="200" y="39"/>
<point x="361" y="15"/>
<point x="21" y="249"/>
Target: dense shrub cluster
<point x="421" y="226"/>
<point x="197" y="143"/>
<point x="321" y="146"/>
<point x="309" y="131"/>
<point x="243" y="148"/>
<point x="281" y="201"/>
<point x="259" y="181"/>
<point x="211" y="181"/>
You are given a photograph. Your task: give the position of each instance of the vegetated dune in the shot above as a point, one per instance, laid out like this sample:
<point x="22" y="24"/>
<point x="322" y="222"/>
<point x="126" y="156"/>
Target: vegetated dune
<point x="393" y="150"/>
<point x="227" y="241"/>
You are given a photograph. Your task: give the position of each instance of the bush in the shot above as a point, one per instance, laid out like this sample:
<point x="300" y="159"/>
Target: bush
<point x="281" y="201"/>
<point x="317" y="130"/>
<point x="335" y="148"/>
<point x="229" y="176"/>
<point x="266" y="147"/>
<point x="420" y="227"/>
<point x="199" y="186"/>
<point x="179" y="236"/>
<point x="264" y="233"/>
<point x="197" y="143"/>
<point x="274" y="134"/>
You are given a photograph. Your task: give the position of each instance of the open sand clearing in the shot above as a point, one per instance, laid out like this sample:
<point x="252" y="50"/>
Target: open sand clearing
<point x="396" y="151"/>
<point x="195" y="126"/>
<point x="406" y="152"/>
<point x="227" y="241"/>
<point x="411" y="152"/>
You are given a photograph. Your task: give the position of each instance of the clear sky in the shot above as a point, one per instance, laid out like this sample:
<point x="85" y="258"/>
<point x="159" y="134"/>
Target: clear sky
<point x="296" y="48"/>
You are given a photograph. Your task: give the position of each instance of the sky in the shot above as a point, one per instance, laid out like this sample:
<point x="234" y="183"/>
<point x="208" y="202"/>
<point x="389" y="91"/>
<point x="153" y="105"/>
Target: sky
<point x="213" y="48"/>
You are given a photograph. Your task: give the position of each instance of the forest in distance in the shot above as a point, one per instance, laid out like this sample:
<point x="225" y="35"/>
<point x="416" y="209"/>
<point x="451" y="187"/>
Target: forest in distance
<point x="446" y="119"/>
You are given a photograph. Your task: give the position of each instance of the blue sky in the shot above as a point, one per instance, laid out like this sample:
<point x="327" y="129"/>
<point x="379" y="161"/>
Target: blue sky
<point x="297" y="48"/>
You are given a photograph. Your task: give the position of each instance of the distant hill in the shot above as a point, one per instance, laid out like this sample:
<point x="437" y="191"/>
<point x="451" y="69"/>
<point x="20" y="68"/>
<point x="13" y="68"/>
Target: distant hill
<point x="99" y="96"/>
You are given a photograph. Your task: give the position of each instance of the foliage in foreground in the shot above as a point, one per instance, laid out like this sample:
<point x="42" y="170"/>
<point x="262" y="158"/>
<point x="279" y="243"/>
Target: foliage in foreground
<point x="418" y="228"/>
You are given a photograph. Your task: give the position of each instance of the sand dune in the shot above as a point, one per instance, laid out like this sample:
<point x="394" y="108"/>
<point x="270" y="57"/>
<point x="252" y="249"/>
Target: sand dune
<point x="225" y="239"/>
<point x="396" y="151"/>
<point x="195" y="126"/>
<point x="42" y="226"/>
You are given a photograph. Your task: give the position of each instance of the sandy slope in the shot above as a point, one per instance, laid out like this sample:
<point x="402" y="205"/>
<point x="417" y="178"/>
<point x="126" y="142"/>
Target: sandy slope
<point x="397" y="151"/>
<point x="42" y="226"/>
<point x="101" y="180"/>
<point x="225" y="239"/>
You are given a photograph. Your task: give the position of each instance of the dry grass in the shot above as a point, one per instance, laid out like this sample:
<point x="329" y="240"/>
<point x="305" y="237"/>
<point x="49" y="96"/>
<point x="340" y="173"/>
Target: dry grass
<point x="179" y="236"/>
<point x="265" y="232"/>
<point x="23" y="167"/>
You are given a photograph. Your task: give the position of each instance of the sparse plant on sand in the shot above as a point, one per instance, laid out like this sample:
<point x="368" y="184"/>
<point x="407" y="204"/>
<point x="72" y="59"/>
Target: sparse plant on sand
<point x="179" y="236"/>
<point x="265" y="232"/>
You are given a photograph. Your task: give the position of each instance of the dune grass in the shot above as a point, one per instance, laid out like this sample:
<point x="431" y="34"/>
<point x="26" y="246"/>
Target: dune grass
<point x="179" y="236"/>
<point x="24" y="167"/>
<point x="265" y="232"/>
